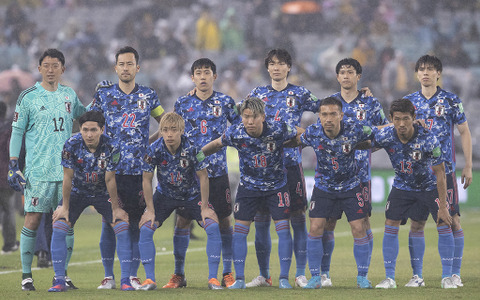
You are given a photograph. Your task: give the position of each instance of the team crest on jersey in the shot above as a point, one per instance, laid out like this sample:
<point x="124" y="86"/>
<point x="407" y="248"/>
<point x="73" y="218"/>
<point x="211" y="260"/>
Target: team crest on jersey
<point x="68" y="107"/>
<point x="142" y="103"/>
<point x="217" y="111"/>
<point x="102" y="163"/>
<point x="417" y="155"/>
<point x="290" y="101"/>
<point x="183" y="163"/>
<point x="15" y="117"/>
<point x="34" y="201"/>
<point x="439" y="110"/>
<point x="361" y="113"/>
<point x="271" y="146"/>
<point x="347" y="148"/>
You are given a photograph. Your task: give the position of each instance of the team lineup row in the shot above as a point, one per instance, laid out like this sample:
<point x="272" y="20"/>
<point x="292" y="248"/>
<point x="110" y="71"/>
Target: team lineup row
<point x="113" y="157"/>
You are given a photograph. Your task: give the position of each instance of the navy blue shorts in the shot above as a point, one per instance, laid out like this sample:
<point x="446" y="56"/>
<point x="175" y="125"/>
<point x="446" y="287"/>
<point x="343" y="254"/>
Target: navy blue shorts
<point x="248" y="202"/>
<point x="331" y="205"/>
<point x="219" y="196"/>
<point x="78" y="204"/>
<point x="190" y="210"/>
<point x="452" y="194"/>
<point x="416" y="205"/>
<point x="367" y="196"/>
<point x="130" y="194"/>
<point x="296" y="188"/>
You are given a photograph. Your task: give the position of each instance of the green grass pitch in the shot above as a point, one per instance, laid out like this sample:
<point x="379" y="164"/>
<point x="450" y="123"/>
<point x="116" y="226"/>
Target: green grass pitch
<point x="86" y="269"/>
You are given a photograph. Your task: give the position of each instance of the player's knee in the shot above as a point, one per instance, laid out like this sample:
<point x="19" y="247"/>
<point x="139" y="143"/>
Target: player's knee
<point x="182" y="222"/>
<point x="330" y="225"/>
<point x="416" y="226"/>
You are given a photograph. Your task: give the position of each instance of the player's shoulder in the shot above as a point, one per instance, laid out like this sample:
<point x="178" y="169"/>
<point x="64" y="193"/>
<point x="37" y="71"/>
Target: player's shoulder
<point x="75" y="140"/>
<point x="222" y="97"/>
<point x="447" y="94"/>
<point x="28" y="94"/>
<point x="144" y="89"/>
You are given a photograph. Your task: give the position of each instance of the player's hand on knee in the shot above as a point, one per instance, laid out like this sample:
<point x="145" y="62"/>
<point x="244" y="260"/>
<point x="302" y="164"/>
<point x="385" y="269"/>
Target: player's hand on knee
<point x="444" y="215"/>
<point x="60" y="213"/>
<point x="210" y="214"/>
<point x="148" y="215"/>
<point x="16" y="180"/>
<point x="119" y="214"/>
<point x="103" y="84"/>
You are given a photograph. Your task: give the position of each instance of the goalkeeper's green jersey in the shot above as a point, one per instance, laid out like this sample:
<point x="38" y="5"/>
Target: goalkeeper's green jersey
<point x="46" y="119"/>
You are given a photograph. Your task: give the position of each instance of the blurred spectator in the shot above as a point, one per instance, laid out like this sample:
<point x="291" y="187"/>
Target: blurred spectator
<point x="232" y="33"/>
<point x="7" y="206"/>
<point x="207" y="32"/>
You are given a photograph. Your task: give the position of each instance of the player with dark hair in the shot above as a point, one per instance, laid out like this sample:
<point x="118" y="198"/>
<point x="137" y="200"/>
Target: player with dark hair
<point x="89" y="162"/>
<point x="127" y="107"/>
<point x="284" y="103"/>
<point x="183" y="186"/>
<point x="441" y="111"/>
<point x="366" y="110"/>
<point x="263" y="182"/>
<point x="206" y="113"/>
<point x="414" y="152"/>
<point x="337" y="186"/>
<point x="44" y="114"/>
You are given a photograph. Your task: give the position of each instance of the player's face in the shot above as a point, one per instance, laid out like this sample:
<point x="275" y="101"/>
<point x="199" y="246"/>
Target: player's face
<point x="172" y="135"/>
<point x="428" y="75"/>
<point x="331" y="117"/>
<point x="126" y="67"/>
<point x="348" y="77"/>
<point x="278" y="70"/>
<point x="51" y="70"/>
<point x="253" y="122"/>
<point x="91" y="133"/>
<point x="403" y="123"/>
<point x="203" y="79"/>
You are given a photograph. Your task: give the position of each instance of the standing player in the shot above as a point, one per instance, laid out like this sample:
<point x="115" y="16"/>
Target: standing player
<point x="89" y="161"/>
<point x="365" y="110"/>
<point x="127" y="107"/>
<point x="206" y="114"/>
<point x="182" y="186"/>
<point x="44" y="114"/>
<point x="337" y="186"/>
<point x="441" y="110"/>
<point x="414" y="153"/>
<point x="263" y="182"/>
<point x="285" y="103"/>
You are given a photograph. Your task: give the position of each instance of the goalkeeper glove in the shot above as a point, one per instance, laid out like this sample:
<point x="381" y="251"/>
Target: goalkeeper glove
<point x="103" y="84"/>
<point x="15" y="176"/>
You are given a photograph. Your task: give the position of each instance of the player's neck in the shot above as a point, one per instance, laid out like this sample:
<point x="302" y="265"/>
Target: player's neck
<point x="279" y="85"/>
<point x="204" y="95"/>
<point x="173" y="148"/>
<point x="429" y="91"/>
<point x="349" y="95"/>
<point x="49" y="87"/>
<point x="126" y="87"/>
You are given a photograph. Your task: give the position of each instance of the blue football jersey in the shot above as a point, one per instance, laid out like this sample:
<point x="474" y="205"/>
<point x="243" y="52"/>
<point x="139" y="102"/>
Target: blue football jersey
<point x="176" y="174"/>
<point x="441" y="113"/>
<point x="365" y="111"/>
<point x="411" y="161"/>
<point x="336" y="169"/>
<point x="89" y="168"/>
<point x="206" y="121"/>
<point x="287" y="106"/>
<point x="127" y="119"/>
<point x="261" y="159"/>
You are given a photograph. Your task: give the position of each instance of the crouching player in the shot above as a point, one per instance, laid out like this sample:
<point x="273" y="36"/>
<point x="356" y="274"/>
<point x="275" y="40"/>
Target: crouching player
<point x="89" y="163"/>
<point x="263" y="182"/>
<point x="182" y="185"/>
<point x="414" y="152"/>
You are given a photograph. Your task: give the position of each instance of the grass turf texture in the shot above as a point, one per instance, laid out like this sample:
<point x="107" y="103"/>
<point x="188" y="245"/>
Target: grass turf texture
<point x="86" y="269"/>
